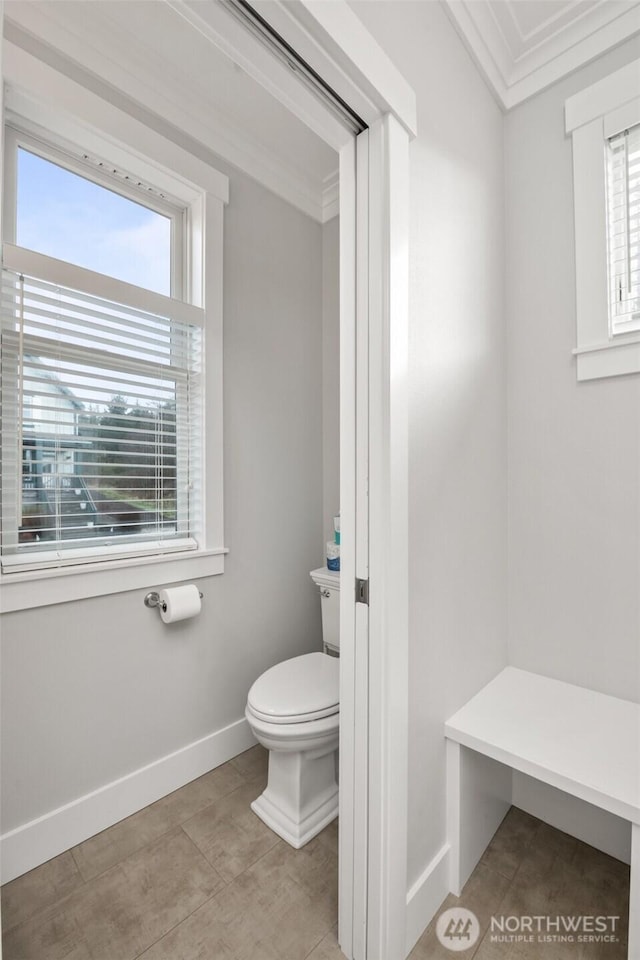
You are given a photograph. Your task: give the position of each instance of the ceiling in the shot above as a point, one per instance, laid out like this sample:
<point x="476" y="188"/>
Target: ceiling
<point x="162" y="54"/>
<point x="522" y="46"/>
<point x="156" y="51"/>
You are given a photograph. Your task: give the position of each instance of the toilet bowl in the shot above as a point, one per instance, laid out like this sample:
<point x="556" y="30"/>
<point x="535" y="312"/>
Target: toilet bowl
<point x="293" y="711"/>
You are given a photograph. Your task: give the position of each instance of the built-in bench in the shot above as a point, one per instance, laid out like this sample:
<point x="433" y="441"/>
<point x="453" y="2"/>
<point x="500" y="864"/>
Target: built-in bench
<point x="579" y="741"/>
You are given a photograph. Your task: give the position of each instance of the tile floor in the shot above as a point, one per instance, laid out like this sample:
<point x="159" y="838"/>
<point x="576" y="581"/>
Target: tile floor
<point x="530" y="869"/>
<point x="197" y="876"/>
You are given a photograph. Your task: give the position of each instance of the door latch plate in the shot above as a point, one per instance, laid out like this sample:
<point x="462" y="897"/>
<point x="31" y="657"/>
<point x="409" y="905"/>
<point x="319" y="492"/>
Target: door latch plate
<point x="362" y="591"/>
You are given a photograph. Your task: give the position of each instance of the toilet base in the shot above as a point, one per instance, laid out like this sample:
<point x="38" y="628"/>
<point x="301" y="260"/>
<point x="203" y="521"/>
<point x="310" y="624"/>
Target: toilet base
<point x="301" y="796"/>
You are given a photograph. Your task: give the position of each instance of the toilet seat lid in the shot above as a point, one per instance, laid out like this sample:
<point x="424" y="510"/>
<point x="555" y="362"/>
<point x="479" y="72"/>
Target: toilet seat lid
<point x="298" y="690"/>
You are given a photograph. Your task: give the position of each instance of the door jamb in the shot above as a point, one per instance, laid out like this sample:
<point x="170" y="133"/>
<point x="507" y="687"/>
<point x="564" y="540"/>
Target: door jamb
<point x="348" y="248"/>
<point x="373" y="759"/>
<point x="388" y="538"/>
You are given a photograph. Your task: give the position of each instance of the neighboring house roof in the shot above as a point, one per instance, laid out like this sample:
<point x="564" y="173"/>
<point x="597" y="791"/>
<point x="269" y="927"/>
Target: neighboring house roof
<point x="55" y="380"/>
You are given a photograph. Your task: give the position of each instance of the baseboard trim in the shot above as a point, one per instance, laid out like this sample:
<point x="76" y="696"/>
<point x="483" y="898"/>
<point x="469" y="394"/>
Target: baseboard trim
<point x="426" y="895"/>
<point x="39" y="840"/>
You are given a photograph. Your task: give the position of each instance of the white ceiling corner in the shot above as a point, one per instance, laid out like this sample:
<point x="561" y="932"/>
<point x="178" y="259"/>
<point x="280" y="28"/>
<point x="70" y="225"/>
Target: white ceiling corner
<point x="523" y="46"/>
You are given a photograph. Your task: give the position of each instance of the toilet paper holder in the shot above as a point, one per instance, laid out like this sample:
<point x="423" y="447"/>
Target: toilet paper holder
<point x="153" y="599"/>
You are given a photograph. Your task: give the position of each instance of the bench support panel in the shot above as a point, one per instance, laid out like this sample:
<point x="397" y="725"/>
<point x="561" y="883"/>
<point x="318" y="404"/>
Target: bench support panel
<point x="479" y="794"/>
<point x="478" y="799"/>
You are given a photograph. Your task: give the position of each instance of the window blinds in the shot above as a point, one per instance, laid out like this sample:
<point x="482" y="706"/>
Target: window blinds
<point x="623" y="199"/>
<point x="101" y="416"/>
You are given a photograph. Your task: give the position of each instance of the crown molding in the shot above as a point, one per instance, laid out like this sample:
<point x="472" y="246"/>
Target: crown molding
<point x="331" y="196"/>
<point x="109" y="60"/>
<point x="515" y="75"/>
<point x="471" y="34"/>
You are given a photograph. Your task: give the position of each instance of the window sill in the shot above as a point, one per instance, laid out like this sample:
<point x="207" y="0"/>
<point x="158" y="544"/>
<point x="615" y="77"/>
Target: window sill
<point x="42" y="588"/>
<point x="610" y="359"/>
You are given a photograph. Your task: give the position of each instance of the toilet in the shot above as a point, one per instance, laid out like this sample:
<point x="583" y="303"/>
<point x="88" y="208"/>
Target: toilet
<point x="293" y="710"/>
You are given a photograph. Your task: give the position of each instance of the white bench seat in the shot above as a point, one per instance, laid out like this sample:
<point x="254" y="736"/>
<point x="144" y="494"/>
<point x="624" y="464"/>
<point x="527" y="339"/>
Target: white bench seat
<point x="579" y="741"/>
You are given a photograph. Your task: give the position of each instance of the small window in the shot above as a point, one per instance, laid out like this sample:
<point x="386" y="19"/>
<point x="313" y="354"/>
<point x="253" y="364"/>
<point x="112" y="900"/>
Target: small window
<point x="604" y="123"/>
<point x="101" y="375"/>
<point x="623" y="207"/>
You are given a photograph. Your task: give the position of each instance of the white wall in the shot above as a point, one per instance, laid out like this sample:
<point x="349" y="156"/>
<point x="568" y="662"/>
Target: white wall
<point x="574" y="448"/>
<point x="574" y="452"/>
<point x="95" y="689"/>
<point x="457" y="497"/>
<point x="330" y="374"/>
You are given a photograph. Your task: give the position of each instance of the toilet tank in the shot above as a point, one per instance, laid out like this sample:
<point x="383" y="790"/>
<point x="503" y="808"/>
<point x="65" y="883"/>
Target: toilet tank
<point x="328" y="583"/>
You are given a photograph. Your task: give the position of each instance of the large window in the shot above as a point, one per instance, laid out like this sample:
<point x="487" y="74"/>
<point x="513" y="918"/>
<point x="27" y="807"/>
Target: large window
<point x="101" y="367"/>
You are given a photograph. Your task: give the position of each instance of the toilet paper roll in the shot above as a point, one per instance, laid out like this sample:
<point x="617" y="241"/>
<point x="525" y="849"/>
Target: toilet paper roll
<point x="180" y="603"/>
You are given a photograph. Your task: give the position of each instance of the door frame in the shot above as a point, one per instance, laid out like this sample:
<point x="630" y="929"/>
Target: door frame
<point x="388" y="282"/>
<point x="374" y="520"/>
<point x="374" y="258"/>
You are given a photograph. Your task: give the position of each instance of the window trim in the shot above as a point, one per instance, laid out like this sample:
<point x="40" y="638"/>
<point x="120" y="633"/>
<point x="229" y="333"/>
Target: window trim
<point x="592" y="117"/>
<point x="204" y="191"/>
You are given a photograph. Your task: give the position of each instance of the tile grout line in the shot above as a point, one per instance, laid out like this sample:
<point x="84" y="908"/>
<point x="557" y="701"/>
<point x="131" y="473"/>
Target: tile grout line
<point x="223" y="796"/>
<point x="502" y="900"/>
<point x="161" y="835"/>
<point x="511" y="881"/>
<point x="524" y="856"/>
<point x="527" y="847"/>
<point x="131" y="853"/>
<point x="57" y="903"/>
<point x="249" y="865"/>
<point x="195" y="909"/>
<point x="317" y="944"/>
<point x="225" y="884"/>
<point x="184" y="920"/>
<point x="48" y="906"/>
<point x="78" y="868"/>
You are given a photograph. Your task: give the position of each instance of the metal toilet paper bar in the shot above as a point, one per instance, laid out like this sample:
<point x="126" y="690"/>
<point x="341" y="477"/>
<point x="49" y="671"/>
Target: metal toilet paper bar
<point x="153" y="600"/>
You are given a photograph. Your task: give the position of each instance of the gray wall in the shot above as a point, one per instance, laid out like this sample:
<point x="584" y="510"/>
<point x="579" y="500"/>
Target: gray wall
<point x="93" y="690"/>
<point x="574" y="448"/>
<point x="330" y="374"/>
<point x="457" y="469"/>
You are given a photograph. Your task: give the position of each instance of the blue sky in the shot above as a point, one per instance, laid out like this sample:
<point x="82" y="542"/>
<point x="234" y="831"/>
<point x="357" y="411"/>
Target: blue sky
<point x="66" y="216"/>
